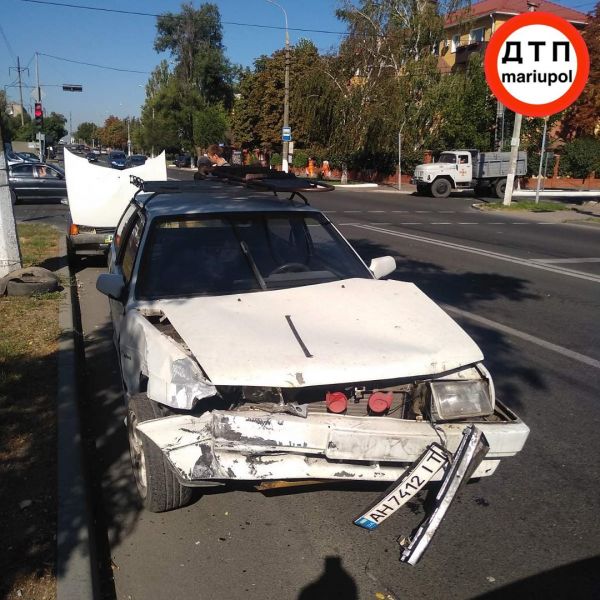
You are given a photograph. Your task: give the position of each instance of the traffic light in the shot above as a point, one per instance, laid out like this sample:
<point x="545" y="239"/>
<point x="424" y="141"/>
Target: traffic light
<point x="39" y="115"/>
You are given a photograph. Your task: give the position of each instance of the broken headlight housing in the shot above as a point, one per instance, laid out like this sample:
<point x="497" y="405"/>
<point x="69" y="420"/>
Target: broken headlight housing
<point x="459" y="399"/>
<point x="188" y="384"/>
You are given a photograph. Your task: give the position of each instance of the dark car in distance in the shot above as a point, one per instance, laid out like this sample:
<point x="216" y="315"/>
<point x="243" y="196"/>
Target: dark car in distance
<point x="116" y="159"/>
<point x="91" y="157"/>
<point x="135" y="160"/>
<point x="37" y="181"/>
<point x="183" y="160"/>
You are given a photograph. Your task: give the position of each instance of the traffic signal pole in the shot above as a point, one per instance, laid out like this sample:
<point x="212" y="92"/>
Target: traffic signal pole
<point x="39" y="99"/>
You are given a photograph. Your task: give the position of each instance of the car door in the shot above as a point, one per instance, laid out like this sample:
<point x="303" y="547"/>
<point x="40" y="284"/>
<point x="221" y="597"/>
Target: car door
<point x="52" y="183"/>
<point x="22" y="181"/>
<point x="128" y="245"/>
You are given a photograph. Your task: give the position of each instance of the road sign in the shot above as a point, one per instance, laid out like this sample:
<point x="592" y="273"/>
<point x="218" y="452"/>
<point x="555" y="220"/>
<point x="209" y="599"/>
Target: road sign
<point x="286" y="134"/>
<point x="72" y="87"/>
<point x="537" y="64"/>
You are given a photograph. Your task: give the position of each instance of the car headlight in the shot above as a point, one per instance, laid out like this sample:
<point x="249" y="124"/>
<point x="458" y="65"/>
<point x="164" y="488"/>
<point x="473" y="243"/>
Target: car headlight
<point x="460" y="399"/>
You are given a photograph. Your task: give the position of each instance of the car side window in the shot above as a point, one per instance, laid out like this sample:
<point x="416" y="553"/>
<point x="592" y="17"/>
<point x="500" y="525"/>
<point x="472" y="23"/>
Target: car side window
<point x="131" y="245"/>
<point x="22" y="170"/>
<point x="121" y="227"/>
<point x="463" y="159"/>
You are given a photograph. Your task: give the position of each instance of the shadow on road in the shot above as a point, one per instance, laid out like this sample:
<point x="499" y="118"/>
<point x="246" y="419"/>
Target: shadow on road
<point x="465" y="290"/>
<point x="579" y="579"/>
<point x="335" y="582"/>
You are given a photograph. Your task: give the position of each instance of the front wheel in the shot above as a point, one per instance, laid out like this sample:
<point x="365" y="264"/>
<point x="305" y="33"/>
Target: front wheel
<point x="441" y="188"/>
<point x="157" y="485"/>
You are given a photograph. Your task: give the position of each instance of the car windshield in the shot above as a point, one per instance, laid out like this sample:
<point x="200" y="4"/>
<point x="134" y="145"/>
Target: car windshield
<point x="242" y="253"/>
<point x="118" y="156"/>
<point x="446" y="157"/>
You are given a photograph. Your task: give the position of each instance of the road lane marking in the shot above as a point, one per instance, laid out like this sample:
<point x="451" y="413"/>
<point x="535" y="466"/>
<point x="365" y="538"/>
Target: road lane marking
<point x="468" y="223"/>
<point x="487" y="253"/>
<point x="566" y="260"/>
<point x="582" y="358"/>
<point x="422" y="211"/>
<point x="376" y="211"/>
<point x="399" y="211"/>
<point x="441" y="223"/>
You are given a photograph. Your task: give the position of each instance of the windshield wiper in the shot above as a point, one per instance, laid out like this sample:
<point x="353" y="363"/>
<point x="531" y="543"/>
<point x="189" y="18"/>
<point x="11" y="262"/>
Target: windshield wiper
<point x="252" y="264"/>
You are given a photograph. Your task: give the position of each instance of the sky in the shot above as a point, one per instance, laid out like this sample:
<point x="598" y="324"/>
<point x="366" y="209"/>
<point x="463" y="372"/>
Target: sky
<point x="126" y="42"/>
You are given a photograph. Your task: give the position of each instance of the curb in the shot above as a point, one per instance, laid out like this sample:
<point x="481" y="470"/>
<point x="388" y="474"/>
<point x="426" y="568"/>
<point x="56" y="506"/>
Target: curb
<point x="74" y="579"/>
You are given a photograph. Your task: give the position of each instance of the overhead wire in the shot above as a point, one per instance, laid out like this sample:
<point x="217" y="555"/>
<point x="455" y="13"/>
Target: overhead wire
<point x="156" y="15"/>
<point x="87" y="64"/>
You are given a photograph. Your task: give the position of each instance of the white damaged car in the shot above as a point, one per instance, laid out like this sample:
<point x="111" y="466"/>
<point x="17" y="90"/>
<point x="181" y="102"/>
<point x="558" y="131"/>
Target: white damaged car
<point x="255" y="344"/>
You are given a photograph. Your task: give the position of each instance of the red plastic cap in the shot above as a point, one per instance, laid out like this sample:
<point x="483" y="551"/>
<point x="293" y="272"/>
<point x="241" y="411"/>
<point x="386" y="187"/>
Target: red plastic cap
<point x="380" y="402"/>
<point x="336" y="402"/>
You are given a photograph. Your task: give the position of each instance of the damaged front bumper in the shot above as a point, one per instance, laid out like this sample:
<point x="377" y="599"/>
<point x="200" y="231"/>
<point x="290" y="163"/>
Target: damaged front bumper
<point x="252" y="445"/>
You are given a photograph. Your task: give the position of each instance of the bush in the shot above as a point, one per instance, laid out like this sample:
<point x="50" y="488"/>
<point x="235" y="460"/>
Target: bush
<point x="581" y="157"/>
<point x="276" y="159"/>
<point x="300" y="159"/>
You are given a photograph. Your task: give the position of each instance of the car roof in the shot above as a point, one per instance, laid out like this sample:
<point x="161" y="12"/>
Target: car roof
<point x="212" y="197"/>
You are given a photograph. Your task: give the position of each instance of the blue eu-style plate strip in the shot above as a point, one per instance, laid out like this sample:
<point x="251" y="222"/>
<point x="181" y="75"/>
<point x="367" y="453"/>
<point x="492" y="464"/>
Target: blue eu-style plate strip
<point x="366" y="523"/>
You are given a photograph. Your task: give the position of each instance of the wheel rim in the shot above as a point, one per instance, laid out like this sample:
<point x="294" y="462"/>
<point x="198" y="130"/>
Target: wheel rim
<point x="136" y="451"/>
<point x="442" y="187"/>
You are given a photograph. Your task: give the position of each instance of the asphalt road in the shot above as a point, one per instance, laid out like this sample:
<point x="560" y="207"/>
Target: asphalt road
<point x="529" y="294"/>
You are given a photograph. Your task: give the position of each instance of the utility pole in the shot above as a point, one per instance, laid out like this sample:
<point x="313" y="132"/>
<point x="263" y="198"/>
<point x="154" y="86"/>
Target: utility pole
<point x="399" y="160"/>
<point x="539" y="179"/>
<point x="10" y="255"/>
<point x="128" y="137"/>
<point x="286" y="97"/>
<point x="514" y="144"/>
<point x="19" y="71"/>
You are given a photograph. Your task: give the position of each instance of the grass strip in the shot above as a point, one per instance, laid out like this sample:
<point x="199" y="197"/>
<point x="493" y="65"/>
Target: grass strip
<point x="528" y="205"/>
<point x="28" y="381"/>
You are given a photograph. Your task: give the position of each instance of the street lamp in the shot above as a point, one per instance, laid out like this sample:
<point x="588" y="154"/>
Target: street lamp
<point x="286" y="97"/>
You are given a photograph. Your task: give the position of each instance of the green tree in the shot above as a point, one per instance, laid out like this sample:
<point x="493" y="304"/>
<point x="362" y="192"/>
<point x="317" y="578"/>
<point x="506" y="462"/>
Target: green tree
<point x="580" y="157"/>
<point x="86" y="132"/>
<point x="54" y="127"/>
<point x="258" y="114"/>
<point x="210" y="125"/>
<point x="194" y="38"/>
<point x="466" y="111"/>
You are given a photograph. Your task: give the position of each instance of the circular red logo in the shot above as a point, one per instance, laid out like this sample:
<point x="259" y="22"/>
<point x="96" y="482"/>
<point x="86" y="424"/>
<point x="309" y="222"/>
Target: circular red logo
<point x="537" y="64"/>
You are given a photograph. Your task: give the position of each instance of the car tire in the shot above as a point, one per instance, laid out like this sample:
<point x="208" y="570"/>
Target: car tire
<point x="441" y="188"/>
<point x="29" y="288"/>
<point x="500" y="188"/>
<point x="157" y="485"/>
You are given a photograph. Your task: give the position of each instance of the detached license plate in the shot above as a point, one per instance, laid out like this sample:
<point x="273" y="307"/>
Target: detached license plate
<point x="108" y="239"/>
<point x="432" y="460"/>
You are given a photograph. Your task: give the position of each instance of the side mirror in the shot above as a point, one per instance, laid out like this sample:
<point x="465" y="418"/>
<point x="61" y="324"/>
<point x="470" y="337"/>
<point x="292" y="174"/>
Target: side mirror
<point x="380" y="267"/>
<point x="111" y="285"/>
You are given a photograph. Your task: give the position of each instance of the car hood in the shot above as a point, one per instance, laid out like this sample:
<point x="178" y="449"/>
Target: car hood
<point x="345" y="331"/>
